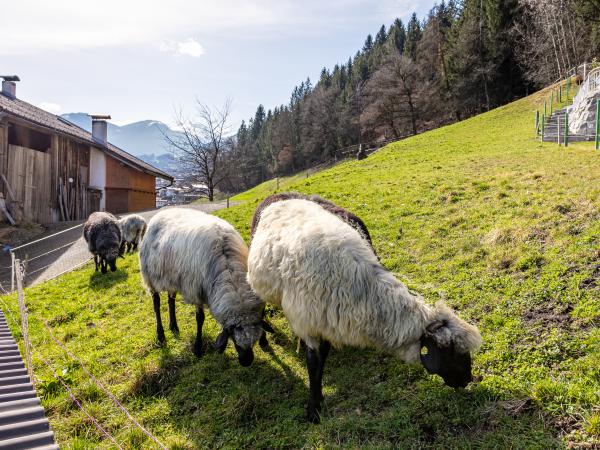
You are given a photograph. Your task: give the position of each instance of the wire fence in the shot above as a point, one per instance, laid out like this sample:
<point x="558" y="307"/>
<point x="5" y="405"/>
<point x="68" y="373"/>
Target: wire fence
<point x="358" y="151"/>
<point x="45" y="258"/>
<point x="22" y="323"/>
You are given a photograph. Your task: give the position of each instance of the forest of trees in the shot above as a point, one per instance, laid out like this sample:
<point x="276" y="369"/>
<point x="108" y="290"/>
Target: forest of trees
<point x="462" y="59"/>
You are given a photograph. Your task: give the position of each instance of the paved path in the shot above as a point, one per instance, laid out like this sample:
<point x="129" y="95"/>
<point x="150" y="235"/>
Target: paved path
<point x="45" y="263"/>
<point x="23" y="424"/>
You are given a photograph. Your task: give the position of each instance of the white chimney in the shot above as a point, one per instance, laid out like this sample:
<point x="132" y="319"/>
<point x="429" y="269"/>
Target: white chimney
<point x="9" y="87"/>
<point x="100" y="128"/>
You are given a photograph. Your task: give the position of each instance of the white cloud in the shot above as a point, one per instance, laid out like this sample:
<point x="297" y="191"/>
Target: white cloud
<point x="54" y="108"/>
<point x="34" y="26"/>
<point x="77" y="24"/>
<point x="189" y="47"/>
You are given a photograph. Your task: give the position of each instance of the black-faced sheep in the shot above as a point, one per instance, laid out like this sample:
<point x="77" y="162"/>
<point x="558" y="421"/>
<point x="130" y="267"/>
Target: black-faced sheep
<point x="103" y="235"/>
<point x="333" y="290"/>
<point x="351" y="219"/>
<point x="204" y="259"/>
<point x="133" y="228"/>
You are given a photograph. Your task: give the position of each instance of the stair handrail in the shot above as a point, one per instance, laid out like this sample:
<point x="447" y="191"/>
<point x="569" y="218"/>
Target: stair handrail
<point x="591" y="84"/>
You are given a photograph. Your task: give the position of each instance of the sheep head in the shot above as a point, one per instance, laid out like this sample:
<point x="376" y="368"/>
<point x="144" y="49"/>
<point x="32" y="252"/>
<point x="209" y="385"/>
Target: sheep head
<point x="244" y="337"/>
<point x="109" y="253"/>
<point x="449" y="341"/>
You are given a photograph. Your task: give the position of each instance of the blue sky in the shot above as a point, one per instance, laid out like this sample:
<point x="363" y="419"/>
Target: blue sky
<point x="141" y="60"/>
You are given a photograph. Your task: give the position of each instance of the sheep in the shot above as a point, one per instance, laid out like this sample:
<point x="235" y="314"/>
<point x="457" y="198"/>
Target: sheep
<point x="333" y="291"/>
<point x="103" y="235"/>
<point x="204" y="259"/>
<point x="133" y="228"/>
<point x="351" y="219"/>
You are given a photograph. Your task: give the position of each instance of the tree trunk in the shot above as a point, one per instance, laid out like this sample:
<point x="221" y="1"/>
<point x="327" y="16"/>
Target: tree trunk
<point x="413" y="119"/>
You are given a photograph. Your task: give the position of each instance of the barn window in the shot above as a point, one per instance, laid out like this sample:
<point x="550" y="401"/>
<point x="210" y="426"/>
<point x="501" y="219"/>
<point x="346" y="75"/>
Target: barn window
<point x="27" y="137"/>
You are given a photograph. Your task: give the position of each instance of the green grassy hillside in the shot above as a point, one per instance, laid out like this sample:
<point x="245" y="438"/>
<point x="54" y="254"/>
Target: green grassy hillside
<point x="503" y="228"/>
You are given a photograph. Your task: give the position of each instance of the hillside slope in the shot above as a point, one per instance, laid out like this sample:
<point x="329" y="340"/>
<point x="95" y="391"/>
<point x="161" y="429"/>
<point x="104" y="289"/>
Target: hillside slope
<point x="479" y="213"/>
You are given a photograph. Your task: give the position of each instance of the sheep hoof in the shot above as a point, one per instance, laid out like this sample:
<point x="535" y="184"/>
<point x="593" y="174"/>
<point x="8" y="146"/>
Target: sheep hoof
<point x="175" y="330"/>
<point x="161" y="337"/>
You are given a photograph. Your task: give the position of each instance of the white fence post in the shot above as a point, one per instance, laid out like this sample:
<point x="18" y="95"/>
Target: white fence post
<point x="19" y="275"/>
<point x="12" y="272"/>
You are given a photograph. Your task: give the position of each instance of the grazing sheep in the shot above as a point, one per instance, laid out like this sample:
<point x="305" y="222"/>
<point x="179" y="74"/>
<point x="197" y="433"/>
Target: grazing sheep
<point x="133" y="228"/>
<point x="103" y="235"/>
<point x="204" y="259"/>
<point x="351" y="219"/>
<point x="333" y="291"/>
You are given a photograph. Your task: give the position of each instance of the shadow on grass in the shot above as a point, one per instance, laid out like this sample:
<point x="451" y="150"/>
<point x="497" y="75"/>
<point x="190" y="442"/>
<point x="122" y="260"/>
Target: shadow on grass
<point x="371" y="400"/>
<point x="99" y="280"/>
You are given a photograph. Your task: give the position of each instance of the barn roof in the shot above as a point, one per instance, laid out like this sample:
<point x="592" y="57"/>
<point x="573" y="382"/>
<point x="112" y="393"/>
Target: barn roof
<point x="26" y="111"/>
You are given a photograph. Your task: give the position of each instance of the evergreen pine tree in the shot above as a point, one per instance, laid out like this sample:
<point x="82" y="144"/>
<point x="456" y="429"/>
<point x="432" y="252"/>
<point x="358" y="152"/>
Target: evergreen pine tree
<point x="398" y="35"/>
<point x="368" y="44"/>
<point x="413" y="36"/>
<point x="381" y="36"/>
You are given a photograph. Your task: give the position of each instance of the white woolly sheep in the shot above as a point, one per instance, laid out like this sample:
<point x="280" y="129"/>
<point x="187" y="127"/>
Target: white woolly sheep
<point x="103" y="235"/>
<point x="350" y="218"/>
<point x="204" y="259"/>
<point x="133" y="228"/>
<point x="333" y="290"/>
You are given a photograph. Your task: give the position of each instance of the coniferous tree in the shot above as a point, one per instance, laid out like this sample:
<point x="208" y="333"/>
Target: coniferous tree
<point x="368" y="44"/>
<point x="463" y="58"/>
<point x="413" y="36"/>
<point x="381" y="36"/>
<point x="398" y="35"/>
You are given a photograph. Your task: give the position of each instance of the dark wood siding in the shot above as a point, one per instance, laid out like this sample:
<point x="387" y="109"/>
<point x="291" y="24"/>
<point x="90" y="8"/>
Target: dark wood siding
<point x="3" y="152"/>
<point x="70" y="160"/>
<point x="28" y="174"/>
<point x="128" y="189"/>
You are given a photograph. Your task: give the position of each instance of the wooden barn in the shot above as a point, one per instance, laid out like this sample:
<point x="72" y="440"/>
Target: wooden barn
<point x="52" y="170"/>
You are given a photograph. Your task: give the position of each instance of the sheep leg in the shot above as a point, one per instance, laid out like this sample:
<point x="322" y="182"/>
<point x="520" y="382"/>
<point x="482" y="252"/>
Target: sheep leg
<point x="263" y="342"/>
<point x="136" y="240"/>
<point x="103" y="265"/>
<point x="315" y="363"/>
<point x="199" y="322"/>
<point x="96" y="262"/>
<point x="172" y="317"/>
<point x="160" y="332"/>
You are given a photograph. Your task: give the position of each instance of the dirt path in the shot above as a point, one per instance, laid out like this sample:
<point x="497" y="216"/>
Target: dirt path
<point x="46" y="262"/>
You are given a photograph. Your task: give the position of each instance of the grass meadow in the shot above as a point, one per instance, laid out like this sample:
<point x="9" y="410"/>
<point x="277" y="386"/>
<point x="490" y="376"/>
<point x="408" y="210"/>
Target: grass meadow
<point x="481" y="214"/>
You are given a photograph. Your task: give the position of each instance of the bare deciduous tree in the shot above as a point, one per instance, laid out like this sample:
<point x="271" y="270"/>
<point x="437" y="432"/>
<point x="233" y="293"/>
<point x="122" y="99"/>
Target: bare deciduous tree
<point x="392" y="95"/>
<point x="203" y="144"/>
<point x="554" y="37"/>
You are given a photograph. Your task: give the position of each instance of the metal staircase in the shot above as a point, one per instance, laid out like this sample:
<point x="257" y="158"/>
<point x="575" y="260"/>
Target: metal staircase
<point x="23" y="424"/>
<point x="551" y="129"/>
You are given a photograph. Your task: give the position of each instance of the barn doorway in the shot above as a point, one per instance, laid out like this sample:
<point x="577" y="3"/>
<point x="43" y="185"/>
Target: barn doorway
<point x="28" y="175"/>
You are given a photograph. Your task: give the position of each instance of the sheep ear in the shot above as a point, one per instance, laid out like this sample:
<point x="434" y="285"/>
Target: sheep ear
<point x="221" y="342"/>
<point x="435" y="326"/>
<point x="267" y="326"/>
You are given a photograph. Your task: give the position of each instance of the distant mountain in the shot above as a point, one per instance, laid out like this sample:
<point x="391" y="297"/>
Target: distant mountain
<point x="166" y="162"/>
<point x="143" y="139"/>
